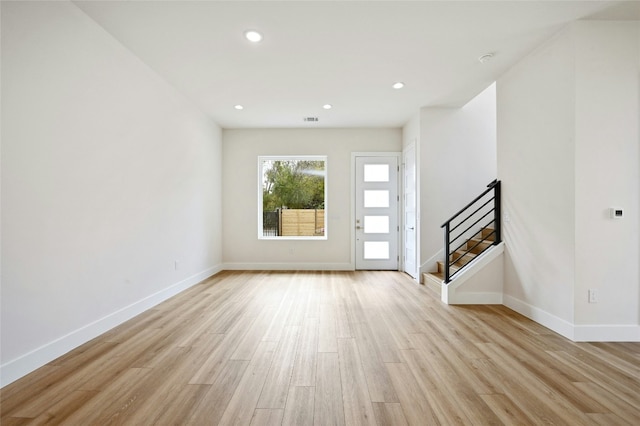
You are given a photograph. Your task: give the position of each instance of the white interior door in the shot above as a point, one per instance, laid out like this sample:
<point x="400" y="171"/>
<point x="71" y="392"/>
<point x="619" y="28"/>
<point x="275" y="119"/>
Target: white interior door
<point x="376" y="213"/>
<point x="410" y="212"/>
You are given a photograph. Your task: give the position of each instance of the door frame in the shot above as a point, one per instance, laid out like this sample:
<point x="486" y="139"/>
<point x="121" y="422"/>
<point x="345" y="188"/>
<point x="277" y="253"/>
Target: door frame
<point x="352" y="218"/>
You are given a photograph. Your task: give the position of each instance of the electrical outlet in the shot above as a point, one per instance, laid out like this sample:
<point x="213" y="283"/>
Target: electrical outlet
<point x="593" y="295"/>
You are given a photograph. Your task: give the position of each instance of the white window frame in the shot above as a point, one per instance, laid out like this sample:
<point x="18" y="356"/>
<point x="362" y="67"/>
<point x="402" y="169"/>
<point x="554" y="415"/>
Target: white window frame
<point x="261" y="160"/>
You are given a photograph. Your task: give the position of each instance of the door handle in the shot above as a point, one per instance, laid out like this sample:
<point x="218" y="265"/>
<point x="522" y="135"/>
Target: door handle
<point x="358" y="227"/>
<point x="411" y="228"/>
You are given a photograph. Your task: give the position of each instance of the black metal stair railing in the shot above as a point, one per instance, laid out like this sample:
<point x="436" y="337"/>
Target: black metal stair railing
<point x="483" y="221"/>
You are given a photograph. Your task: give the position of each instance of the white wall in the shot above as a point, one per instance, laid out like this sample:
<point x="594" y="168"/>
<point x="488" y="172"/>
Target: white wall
<point x="241" y="148"/>
<point x="607" y="171"/>
<point x="567" y="151"/>
<point x="457" y="161"/>
<point x="411" y="131"/>
<point x="108" y="177"/>
<point x="535" y="163"/>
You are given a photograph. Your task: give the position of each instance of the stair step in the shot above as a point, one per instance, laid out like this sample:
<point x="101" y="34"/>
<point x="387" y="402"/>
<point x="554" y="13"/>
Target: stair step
<point x="462" y="256"/>
<point x="486" y="233"/>
<point x="481" y="246"/>
<point x="452" y="268"/>
<point x="459" y="263"/>
<point x="433" y="280"/>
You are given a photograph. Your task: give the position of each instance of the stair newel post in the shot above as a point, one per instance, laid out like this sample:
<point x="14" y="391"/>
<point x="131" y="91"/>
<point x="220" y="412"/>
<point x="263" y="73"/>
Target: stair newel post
<point x="446" y="252"/>
<point x="497" y="194"/>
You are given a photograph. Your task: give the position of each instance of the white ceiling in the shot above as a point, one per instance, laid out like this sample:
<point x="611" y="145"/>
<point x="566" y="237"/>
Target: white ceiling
<point x="345" y="53"/>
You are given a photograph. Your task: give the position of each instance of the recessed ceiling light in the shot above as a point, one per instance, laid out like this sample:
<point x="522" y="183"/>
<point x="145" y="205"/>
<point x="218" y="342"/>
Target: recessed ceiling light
<point x="327" y="106"/>
<point x="398" y="85"/>
<point x="238" y="107"/>
<point x="253" y="36"/>
<point x="485" y="58"/>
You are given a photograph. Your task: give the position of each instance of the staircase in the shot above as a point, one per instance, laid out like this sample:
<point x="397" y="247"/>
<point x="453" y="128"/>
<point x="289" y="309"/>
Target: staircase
<point x="467" y="234"/>
<point x="475" y="245"/>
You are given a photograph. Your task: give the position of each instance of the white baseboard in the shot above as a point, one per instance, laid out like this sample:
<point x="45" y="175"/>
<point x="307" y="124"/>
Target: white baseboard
<point x="606" y="333"/>
<point x="289" y="266"/>
<point x="25" y="364"/>
<point x="540" y="316"/>
<point x="576" y="333"/>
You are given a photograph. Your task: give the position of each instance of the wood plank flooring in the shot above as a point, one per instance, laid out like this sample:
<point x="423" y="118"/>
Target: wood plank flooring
<point x="329" y="348"/>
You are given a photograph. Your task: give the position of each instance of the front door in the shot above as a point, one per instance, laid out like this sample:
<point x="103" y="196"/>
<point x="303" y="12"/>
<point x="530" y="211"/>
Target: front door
<point x="376" y="212"/>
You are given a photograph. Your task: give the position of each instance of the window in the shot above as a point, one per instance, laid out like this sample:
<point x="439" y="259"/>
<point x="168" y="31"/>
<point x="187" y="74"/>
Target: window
<point x="292" y="193"/>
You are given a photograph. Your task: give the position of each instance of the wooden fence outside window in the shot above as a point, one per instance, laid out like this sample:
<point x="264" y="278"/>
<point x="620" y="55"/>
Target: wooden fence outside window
<point x="300" y="223"/>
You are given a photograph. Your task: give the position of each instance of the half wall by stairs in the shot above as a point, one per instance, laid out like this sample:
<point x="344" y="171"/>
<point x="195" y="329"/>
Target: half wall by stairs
<point x="480" y="283"/>
<point x="471" y="272"/>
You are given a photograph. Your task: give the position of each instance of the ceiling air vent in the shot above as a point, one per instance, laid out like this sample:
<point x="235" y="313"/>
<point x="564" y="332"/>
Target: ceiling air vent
<point x="310" y="119"/>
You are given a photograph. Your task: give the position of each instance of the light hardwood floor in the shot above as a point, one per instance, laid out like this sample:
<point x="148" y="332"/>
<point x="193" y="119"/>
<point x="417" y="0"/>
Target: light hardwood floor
<point x="329" y="348"/>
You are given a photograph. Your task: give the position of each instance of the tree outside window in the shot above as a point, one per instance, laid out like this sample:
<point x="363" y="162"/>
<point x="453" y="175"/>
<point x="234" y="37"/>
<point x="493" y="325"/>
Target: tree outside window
<point x="292" y="197"/>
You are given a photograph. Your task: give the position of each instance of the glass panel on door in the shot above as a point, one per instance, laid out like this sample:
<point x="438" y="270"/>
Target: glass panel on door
<point x="376" y="224"/>
<point x="376" y="250"/>
<point x="376" y="173"/>
<point x="376" y="198"/>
